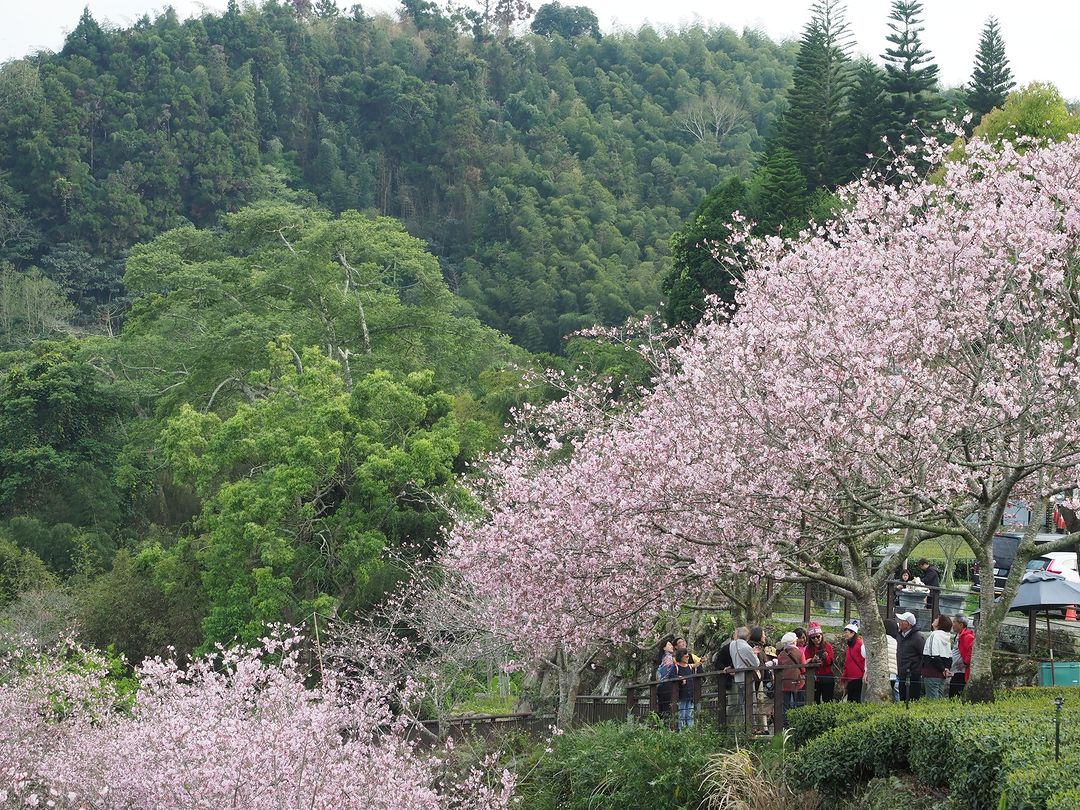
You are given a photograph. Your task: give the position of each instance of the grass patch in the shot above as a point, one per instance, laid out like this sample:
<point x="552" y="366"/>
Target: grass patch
<point x="932" y="550"/>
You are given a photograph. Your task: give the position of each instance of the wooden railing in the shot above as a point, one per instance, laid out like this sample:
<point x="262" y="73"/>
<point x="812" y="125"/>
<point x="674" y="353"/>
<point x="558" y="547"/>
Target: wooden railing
<point x="755" y="714"/>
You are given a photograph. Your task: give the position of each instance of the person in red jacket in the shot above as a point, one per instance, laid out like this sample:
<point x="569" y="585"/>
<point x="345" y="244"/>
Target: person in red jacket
<point x="854" y="663"/>
<point x="818" y="651"/>
<point x="961" y="656"/>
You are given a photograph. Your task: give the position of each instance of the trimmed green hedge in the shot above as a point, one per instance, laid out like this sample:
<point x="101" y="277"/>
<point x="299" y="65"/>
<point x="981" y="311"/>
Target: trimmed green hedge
<point x="979" y="752"/>
<point x="614" y="766"/>
<point x="813" y="721"/>
<point x="1067" y="800"/>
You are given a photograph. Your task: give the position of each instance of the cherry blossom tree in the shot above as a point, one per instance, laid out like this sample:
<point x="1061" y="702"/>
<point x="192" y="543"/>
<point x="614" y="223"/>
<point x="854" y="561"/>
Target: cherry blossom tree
<point x="901" y="372"/>
<point x="940" y="319"/>
<point x="239" y="729"/>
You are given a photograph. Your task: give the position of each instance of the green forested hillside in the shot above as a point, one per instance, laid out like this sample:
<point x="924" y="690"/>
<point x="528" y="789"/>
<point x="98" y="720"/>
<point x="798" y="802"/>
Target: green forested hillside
<point x="547" y="174"/>
<point x="268" y="278"/>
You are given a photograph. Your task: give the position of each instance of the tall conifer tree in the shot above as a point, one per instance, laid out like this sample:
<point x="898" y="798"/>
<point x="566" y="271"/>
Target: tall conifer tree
<point x="867" y="119"/>
<point x="782" y="197"/>
<point x="821" y="82"/>
<point x="911" y="73"/>
<point x="992" y="78"/>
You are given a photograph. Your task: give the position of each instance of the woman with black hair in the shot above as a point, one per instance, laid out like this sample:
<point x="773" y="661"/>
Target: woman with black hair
<point x="666" y="671"/>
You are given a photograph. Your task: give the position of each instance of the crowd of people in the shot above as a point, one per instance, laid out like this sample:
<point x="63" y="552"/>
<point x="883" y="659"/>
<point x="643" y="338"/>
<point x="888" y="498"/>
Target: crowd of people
<point x="929" y="662"/>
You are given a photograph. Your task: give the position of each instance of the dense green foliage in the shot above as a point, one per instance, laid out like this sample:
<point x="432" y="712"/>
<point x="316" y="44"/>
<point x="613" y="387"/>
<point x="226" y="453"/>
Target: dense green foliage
<point x="811" y="128"/>
<point x="980" y="752"/>
<point x="1035" y="111"/>
<point x="58" y="425"/>
<point x="546" y="171"/>
<point x="302" y="489"/>
<point x="915" y="103"/>
<point x="292" y="395"/>
<point x="266" y="276"/>
<point x="611" y="766"/>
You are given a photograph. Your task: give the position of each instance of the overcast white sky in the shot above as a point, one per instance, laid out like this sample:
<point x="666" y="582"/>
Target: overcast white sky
<point x="1040" y="35"/>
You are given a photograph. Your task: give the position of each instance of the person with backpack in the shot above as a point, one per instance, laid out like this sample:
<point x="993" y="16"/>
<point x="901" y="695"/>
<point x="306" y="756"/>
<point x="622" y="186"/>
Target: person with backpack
<point x="790" y="670"/>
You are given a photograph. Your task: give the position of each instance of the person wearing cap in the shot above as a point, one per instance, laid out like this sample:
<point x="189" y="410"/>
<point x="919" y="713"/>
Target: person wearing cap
<point x="790" y="661"/>
<point x="854" y="663"/>
<point x="818" y="651"/>
<point x="909" y="650"/>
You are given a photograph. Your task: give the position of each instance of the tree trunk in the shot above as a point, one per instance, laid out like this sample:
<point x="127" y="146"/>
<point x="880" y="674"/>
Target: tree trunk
<point x="877" y="687"/>
<point x="569" y="684"/>
<point x="980" y="685"/>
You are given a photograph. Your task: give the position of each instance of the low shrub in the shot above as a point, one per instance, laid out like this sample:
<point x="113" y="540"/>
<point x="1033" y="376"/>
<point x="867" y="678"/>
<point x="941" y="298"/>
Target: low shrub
<point x="1034" y="788"/>
<point x="979" y="752"/>
<point x="611" y="766"/>
<point x="1066" y="800"/>
<point x="812" y="721"/>
<point x="833" y="766"/>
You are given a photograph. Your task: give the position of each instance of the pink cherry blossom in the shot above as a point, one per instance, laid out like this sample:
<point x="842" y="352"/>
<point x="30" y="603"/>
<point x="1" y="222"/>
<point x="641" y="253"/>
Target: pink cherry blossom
<point x="240" y="729"/>
<point x="887" y="376"/>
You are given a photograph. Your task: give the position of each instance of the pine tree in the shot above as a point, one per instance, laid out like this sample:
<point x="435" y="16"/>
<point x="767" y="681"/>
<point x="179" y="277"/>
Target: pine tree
<point x="992" y="79"/>
<point x="867" y="119"/>
<point x="821" y="82"/>
<point x="911" y="73"/>
<point x="782" y="197"/>
<point x="694" y="272"/>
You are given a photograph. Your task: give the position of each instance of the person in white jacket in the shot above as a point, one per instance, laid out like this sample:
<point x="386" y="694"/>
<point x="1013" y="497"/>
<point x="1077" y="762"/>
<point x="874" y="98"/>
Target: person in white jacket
<point x="892" y="630"/>
<point x="937" y="658"/>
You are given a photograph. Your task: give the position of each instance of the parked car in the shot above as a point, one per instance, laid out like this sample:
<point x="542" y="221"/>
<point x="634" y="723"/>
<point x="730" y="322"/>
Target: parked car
<point x="1005" y="545"/>
<point x="1057" y="562"/>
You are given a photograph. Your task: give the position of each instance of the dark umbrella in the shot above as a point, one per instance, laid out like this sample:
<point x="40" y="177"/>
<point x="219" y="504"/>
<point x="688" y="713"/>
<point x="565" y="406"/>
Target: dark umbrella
<point x="1038" y="591"/>
<point x="1041" y="590"/>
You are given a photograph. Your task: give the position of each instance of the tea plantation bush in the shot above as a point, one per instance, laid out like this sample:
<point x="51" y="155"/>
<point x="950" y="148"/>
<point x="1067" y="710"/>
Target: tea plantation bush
<point x="613" y="766"/>
<point x="980" y="753"/>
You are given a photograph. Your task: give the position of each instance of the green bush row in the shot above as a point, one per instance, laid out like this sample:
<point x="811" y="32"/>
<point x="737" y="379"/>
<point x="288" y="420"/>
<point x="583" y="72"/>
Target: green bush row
<point x="812" y="721"/>
<point x="979" y="752"/>
<point x="1066" y="800"/>
<point x="613" y="766"/>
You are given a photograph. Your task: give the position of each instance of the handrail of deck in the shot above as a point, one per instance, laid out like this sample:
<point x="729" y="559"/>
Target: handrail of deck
<point x="722" y="688"/>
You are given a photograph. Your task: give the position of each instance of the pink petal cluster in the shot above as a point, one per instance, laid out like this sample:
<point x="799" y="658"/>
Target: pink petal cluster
<point x="907" y="365"/>
<point x="240" y="729"/>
